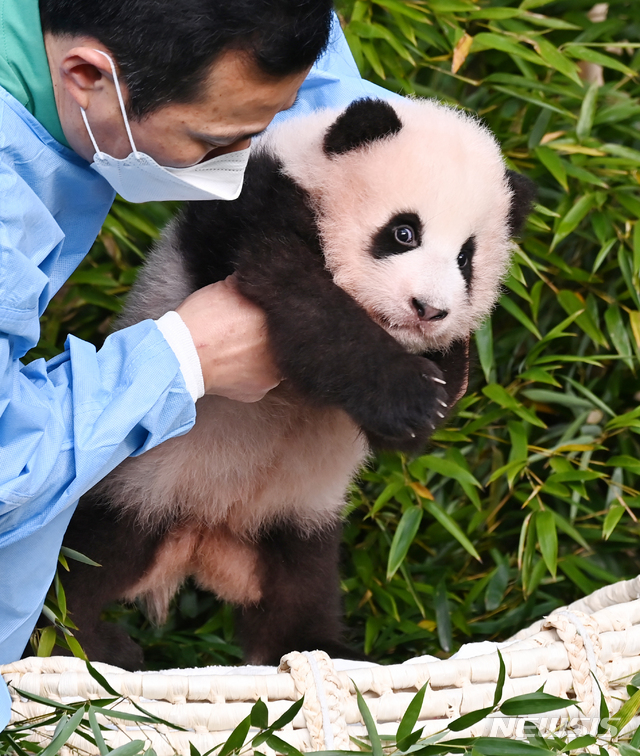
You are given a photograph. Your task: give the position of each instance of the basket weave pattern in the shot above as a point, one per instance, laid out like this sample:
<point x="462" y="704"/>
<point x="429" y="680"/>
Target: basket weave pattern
<point x="595" y="639"/>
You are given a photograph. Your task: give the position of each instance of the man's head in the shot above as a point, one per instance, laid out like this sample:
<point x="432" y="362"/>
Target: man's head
<point x="198" y="75"/>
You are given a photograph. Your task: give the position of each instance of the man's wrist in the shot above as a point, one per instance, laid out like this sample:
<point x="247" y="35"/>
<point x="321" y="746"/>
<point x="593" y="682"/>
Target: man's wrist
<point x="178" y="336"/>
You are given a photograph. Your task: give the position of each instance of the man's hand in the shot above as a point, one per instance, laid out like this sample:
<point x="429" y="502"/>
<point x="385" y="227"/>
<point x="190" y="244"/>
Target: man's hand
<point x="230" y="335"/>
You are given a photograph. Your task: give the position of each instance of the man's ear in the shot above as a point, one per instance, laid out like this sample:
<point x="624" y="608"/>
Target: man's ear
<point x="363" y="122"/>
<point x="523" y="195"/>
<point x="84" y="70"/>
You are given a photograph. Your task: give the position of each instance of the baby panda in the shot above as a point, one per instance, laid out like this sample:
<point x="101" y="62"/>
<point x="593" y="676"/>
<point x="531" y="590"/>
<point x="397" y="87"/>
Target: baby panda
<point x="375" y="240"/>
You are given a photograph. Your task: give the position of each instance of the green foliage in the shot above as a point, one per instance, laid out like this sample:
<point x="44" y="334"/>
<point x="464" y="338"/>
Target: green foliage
<point x="528" y="498"/>
<point x="537" y="473"/>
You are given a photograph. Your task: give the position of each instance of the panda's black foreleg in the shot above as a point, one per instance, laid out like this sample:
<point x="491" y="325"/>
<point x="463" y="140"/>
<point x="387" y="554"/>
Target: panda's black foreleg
<point x="334" y="353"/>
<point x="124" y="551"/>
<point x="300" y="609"/>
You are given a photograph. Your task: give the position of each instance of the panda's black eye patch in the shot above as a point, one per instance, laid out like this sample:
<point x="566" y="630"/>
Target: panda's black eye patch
<point x="465" y="259"/>
<point x="401" y="233"/>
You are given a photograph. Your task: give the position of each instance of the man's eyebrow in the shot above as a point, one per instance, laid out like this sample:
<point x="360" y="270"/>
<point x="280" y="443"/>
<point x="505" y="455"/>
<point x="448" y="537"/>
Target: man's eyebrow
<point x="218" y="138"/>
<point x="240" y="137"/>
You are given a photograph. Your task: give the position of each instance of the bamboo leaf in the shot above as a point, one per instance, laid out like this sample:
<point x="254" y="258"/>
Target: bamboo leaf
<point x="443" y="616"/>
<point x="534" y="703"/>
<point x="449" y="468"/>
<point x="502" y="675"/>
<point x="612" y="519"/>
<point x="511" y="307"/>
<point x="452" y="527"/>
<point x="410" y="11"/>
<point x="460" y="52"/>
<point x="64" y="733"/>
<point x="496" y="588"/>
<point x="484" y="344"/>
<point x="281" y="746"/>
<point x="554" y="164"/>
<point x="369" y="723"/>
<point x="47" y="641"/>
<point x="490" y="41"/>
<point x="628" y="463"/>
<point x="468" y="720"/>
<point x="628" y="711"/>
<point x="97" y="732"/>
<point x="370" y="53"/>
<point x="78" y="557"/>
<point x="499" y="747"/>
<point x="595" y="401"/>
<point x="101" y="679"/>
<point x="259" y="715"/>
<point x="573" y="218"/>
<point x="548" y="540"/>
<point x="403" y="538"/>
<point x="555" y="59"/>
<point x="410" y="717"/>
<point x="572" y="304"/>
<point x="448" y="6"/>
<point x="236" y="740"/>
<point x="593" y="56"/>
<point x="129" y="749"/>
<point x="587" y="111"/>
<point x="289" y="715"/>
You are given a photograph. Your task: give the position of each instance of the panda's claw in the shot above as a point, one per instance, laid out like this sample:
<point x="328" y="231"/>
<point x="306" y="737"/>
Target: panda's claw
<point x="442" y="404"/>
<point x="438" y="380"/>
<point x="440" y="415"/>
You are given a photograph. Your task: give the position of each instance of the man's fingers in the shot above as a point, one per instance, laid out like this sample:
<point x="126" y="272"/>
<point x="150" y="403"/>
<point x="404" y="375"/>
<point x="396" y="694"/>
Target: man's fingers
<point x="231" y="338"/>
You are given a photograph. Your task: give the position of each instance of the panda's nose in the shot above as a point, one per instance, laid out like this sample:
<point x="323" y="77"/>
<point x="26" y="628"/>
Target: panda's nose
<point x="426" y="312"/>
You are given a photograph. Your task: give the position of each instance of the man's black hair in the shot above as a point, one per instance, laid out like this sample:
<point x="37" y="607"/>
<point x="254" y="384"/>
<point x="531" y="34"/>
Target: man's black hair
<point x="164" y="48"/>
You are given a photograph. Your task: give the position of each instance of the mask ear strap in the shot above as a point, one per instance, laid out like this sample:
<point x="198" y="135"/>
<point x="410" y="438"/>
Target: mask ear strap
<point x="120" y="100"/>
<point x="86" y="123"/>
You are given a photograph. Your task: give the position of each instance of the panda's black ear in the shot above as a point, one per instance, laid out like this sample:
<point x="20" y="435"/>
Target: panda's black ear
<point x="363" y="122"/>
<point x="524" y="193"/>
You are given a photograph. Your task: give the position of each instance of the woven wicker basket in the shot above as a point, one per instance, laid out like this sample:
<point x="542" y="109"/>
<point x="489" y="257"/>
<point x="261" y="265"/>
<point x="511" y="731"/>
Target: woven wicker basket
<point x="594" y="639"/>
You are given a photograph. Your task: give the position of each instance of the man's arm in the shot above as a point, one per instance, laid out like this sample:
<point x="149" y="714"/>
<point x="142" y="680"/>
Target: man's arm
<point x="65" y="424"/>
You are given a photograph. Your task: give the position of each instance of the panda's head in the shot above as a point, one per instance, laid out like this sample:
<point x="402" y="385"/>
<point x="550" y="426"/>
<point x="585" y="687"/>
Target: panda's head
<point x="415" y="208"/>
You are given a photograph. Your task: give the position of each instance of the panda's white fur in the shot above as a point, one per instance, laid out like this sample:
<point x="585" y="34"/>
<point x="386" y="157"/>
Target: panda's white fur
<point x="245" y="466"/>
<point x="443" y="163"/>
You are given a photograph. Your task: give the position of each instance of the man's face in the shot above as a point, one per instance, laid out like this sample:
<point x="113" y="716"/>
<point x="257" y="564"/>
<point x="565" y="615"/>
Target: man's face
<point x="236" y="101"/>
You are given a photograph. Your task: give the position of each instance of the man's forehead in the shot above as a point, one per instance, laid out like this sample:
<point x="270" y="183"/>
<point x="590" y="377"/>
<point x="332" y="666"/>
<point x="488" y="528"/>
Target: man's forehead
<point x="236" y="79"/>
<point x="237" y="99"/>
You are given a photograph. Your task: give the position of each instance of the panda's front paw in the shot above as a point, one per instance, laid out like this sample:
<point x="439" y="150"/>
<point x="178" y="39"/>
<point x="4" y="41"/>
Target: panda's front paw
<point x="411" y="401"/>
<point x="454" y="363"/>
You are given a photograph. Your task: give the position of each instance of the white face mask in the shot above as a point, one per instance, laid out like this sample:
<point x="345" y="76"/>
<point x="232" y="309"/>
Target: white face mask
<point x="138" y="178"/>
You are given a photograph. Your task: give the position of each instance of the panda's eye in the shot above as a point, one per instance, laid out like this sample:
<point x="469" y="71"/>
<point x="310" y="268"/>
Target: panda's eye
<point x="405" y="235"/>
<point x="465" y="260"/>
<point x="401" y="233"/>
<point x="466" y="252"/>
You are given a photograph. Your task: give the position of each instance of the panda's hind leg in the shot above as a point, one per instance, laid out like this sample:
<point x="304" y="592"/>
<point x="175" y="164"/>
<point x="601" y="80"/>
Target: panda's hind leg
<point x="124" y="552"/>
<point x="300" y="607"/>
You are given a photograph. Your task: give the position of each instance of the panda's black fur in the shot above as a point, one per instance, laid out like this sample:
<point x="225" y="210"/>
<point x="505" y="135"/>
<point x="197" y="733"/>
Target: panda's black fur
<point x="331" y="354"/>
<point x="280" y="266"/>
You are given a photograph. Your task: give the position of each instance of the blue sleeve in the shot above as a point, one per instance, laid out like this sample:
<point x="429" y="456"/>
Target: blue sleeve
<point x="64" y="424"/>
<point x="334" y="81"/>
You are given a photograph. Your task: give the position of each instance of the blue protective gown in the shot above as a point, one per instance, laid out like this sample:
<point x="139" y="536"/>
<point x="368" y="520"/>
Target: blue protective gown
<point x="66" y="423"/>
